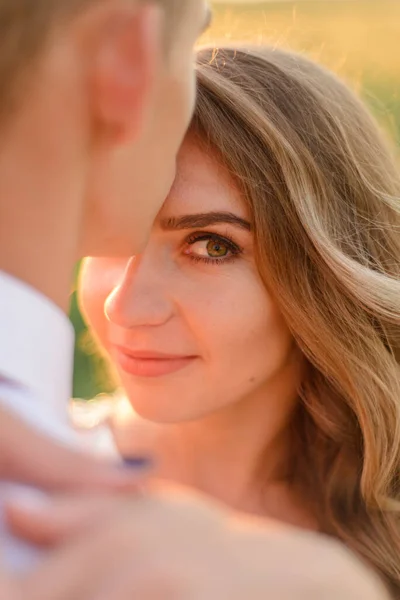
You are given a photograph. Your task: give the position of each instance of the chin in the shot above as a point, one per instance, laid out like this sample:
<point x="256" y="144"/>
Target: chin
<point x="164" y="409"/>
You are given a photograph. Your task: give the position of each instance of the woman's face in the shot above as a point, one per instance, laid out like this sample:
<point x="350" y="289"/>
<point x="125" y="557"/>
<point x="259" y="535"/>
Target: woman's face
<point x="189" y="324"/>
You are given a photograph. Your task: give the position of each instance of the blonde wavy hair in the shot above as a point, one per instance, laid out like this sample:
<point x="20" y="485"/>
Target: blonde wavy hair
<point x="323" y="190"/>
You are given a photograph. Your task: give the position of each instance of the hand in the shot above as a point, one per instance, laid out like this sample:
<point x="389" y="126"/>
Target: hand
<point x="174" y="545"/>
<point x="8" y="587"/>
<point x="26" y="456"/>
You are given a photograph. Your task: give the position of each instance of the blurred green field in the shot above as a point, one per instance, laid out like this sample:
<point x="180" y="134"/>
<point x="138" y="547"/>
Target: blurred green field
<point x="358" y="39"/>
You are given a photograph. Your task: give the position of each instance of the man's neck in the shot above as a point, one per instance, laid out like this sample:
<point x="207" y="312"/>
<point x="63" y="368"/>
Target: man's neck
<point x="40" y="217"/>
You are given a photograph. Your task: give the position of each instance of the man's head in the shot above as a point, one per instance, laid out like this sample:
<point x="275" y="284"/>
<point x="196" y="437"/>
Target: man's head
<point x="108" y="86"/>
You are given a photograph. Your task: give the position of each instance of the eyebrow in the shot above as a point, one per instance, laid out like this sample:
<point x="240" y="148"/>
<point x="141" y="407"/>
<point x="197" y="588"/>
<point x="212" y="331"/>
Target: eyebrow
<point x="204" y="220"/>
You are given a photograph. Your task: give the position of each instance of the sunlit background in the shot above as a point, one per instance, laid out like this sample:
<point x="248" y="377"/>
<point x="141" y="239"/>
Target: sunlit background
<point x="358" y="39"/>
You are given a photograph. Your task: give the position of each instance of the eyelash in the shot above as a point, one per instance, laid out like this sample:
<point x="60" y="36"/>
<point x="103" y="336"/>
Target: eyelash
<point x="233" y="248"/>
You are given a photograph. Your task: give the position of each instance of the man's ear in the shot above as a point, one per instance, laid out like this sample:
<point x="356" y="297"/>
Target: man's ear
<point x="124" y="69"/>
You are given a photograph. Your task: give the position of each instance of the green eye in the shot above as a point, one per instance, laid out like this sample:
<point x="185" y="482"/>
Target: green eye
<point x="210" y="248"/>
<point x="216" y="249"/>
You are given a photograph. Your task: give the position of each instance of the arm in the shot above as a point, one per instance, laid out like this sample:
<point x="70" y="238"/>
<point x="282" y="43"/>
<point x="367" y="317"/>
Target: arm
<point x="176" y="545"/>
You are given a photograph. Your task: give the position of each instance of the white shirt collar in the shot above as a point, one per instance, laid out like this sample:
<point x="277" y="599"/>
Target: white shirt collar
<point x="36" y="344"/>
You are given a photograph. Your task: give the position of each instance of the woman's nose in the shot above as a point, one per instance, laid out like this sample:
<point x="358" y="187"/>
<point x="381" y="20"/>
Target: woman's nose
<point x="140" y="299"/>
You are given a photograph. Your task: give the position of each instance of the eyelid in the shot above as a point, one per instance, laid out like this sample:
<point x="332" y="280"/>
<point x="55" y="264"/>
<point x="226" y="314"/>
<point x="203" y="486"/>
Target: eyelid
<point x="200" y="236"/>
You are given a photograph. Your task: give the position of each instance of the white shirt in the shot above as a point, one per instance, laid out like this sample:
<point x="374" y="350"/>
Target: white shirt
<point x="36" y="362"/>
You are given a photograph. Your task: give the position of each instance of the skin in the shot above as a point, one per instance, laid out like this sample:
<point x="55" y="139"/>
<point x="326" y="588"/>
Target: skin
<point x="181" y="548"/>
<point x="227" y="407"/>
<point x="97" y="107"/>
<point x="30" y="458"/>
<point x="172" y="544"/>
<point x="101" y="109"/>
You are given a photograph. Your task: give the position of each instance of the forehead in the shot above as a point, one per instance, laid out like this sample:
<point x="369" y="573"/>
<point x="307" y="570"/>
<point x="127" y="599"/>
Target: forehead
<point x="202" y="184"/>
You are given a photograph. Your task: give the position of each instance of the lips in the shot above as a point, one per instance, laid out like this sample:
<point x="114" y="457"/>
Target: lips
<point x="149" y="363"/>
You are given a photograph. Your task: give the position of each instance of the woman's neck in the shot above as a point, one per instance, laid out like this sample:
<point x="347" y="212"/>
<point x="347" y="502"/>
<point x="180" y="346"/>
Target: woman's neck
<point x="237" y="453"/>
<point x="240" y="458"/>
<point x="222" y="460"/>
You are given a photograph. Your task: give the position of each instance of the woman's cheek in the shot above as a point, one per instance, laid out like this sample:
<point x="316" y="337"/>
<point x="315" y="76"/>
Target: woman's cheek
<point x="220" y="310"/>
